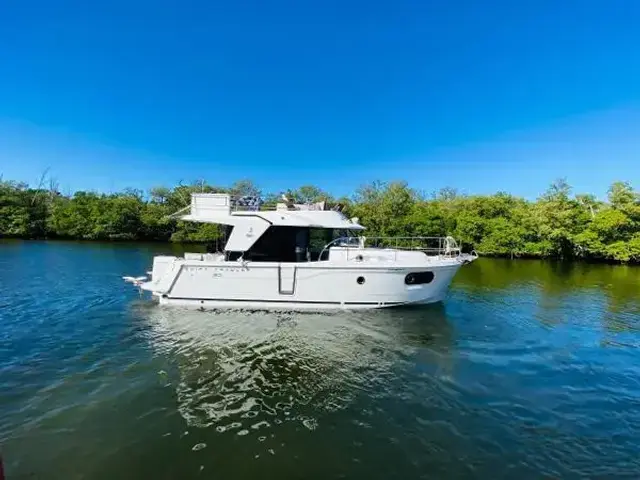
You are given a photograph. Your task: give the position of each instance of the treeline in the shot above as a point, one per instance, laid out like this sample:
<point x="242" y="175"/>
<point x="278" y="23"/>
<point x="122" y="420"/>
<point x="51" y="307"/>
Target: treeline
<point x="556" y="225"/>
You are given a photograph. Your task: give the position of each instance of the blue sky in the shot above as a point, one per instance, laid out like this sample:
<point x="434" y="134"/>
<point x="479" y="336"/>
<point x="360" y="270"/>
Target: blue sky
<point x="481" y="96"/>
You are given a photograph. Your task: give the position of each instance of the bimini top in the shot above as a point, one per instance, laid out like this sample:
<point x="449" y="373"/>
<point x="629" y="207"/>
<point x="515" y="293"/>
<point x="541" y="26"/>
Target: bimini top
<point x="250" y="222"/>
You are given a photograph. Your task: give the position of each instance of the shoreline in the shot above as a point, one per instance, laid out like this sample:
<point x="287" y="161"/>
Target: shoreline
<point x="122" y="241"/>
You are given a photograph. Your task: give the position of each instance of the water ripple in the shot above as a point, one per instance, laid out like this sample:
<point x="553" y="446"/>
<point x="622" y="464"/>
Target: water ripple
<point x="519" y="374"/>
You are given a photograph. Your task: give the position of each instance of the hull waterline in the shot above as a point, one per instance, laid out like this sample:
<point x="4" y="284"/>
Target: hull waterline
<point x="318" y="306"/>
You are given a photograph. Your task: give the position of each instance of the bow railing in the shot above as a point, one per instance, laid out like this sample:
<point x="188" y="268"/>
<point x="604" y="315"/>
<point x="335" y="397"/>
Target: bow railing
<point x="432" y="246"/>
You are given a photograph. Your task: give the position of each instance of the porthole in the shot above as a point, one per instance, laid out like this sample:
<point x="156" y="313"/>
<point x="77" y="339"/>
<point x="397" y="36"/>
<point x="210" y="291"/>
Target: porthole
<point x="419" y="278"/>
<point x="359" y="258"/>
<point x="360" y="280"/>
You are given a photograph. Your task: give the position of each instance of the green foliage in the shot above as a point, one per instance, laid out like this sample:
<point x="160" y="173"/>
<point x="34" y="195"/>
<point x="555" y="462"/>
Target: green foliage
<point x="556" y="225"/>
<point x="244" y="187"/>
<point x="621" y="195"/>
<point x="384" y="207"/>
<point x="23" y="210"/>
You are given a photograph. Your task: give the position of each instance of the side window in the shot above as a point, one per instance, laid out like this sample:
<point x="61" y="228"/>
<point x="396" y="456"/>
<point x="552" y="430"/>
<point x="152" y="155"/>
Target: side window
<point x="318" y="238"/>
<point x="419" y="278"/>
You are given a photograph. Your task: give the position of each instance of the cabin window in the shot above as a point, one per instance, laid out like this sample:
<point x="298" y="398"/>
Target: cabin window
<point x="318" y="239"/>
<point x="291" y="244"/>
<point x="233" y="256"/>
<point x="419" y="278"/>
<point x="277" y="244"/>
<point x="281" y="244"/>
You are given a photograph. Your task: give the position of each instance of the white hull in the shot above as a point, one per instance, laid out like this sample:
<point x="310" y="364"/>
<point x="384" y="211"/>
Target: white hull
<point x="311" y="286"/>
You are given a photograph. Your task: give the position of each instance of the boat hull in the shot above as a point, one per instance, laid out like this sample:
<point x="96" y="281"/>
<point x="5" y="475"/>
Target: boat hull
<point x="224" y="285"/>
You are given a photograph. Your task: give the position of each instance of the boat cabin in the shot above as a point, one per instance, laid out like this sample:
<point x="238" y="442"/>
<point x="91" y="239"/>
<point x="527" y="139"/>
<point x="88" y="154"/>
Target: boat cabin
<point x="289" y="233"/>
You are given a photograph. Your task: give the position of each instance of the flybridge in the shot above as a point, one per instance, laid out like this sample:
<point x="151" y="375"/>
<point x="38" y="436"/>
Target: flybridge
<point x="222" y="202"/>
<point x="250" y="224"/>
<point x="227" y="210"/>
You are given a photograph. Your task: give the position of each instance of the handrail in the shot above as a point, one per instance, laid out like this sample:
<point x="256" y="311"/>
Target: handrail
<point x="446" y="246"/>
<point x="281" y="206"/>
<point x="336" y="240"/>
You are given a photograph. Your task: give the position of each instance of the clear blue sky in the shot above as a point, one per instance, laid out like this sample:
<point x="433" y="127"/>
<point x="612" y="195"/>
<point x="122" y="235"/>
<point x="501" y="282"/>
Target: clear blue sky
<point x="478" y="95"/>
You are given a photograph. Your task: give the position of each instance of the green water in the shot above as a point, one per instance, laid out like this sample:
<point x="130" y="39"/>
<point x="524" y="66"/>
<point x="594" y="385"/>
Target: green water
<point x="529" y="369"/>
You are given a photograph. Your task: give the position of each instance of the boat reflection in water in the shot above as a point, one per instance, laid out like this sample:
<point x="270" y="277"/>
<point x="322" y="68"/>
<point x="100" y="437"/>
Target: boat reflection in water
<point x="239" y="372"/>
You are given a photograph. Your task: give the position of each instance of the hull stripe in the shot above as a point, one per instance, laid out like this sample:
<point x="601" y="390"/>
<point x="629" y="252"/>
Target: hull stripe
<point x="310" y="302"/>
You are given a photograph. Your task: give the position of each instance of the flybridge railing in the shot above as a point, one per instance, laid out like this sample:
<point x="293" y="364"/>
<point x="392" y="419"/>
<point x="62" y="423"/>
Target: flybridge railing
<point x="215" y="204"/>
<point x="246" y="203"/>
<point x="432" y="246"/>
<point x="212" y="206"/>
<point x="251" y="203"/>
<point x="446" y="246"/>
<point x="227" y="202"/>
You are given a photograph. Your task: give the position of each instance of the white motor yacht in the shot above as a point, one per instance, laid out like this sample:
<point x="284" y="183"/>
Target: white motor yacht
<point x="300" y="257"/>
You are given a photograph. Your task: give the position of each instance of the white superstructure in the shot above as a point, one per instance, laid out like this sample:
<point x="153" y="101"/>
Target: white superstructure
<point x="301" y="257"/>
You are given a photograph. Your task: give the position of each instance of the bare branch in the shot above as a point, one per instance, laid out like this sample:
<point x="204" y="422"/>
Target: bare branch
<point x="40" y="185"/>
